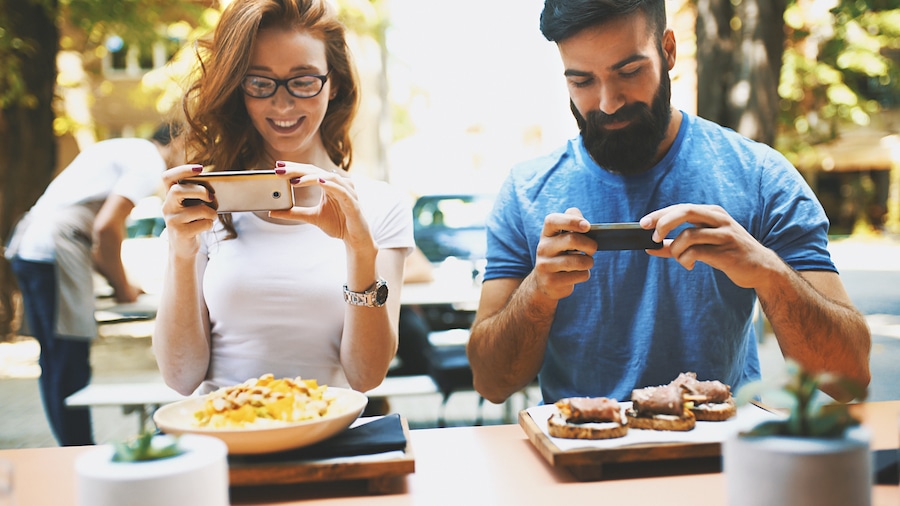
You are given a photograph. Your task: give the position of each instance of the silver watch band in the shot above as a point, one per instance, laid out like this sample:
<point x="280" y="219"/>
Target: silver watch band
<point x="374" y="296"/>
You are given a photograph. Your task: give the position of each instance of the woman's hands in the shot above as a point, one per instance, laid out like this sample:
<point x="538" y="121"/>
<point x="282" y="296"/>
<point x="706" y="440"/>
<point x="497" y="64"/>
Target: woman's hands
<point x="335" y="209"/>
<point x="184" y="224"/>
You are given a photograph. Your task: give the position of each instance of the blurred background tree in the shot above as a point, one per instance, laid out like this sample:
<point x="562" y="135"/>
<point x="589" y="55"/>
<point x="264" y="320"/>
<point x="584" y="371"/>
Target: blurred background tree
<point x="30" y="42"/>
<point x="827" y="69"/>
<point x="792" y="73"/>
<point x="55" y="55"/>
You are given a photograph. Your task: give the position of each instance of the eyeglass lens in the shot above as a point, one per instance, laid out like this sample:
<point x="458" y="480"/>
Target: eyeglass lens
<point x="300" y="86"/>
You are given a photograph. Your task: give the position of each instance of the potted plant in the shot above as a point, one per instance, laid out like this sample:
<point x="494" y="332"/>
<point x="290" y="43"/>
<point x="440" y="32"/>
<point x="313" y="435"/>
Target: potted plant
<point x="817" y="455"/>
<point x="154" y="469"/>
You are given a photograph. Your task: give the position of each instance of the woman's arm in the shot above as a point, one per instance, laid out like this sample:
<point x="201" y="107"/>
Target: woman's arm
<point x="181" y="339"/>
<point x="369" y="342"/>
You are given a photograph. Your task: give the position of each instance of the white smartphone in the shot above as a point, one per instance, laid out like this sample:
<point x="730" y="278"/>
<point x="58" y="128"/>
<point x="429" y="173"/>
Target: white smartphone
<point x="244" y="190"/>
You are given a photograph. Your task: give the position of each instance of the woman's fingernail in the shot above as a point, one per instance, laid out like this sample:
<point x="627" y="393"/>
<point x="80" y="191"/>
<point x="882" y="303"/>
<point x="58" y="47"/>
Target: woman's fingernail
<point x="197" y="168"/>
<point x="295" y="180"/>
<point x="280" y="164"/>
<point x="321" y="181"/>
<point x="281" y="171"/>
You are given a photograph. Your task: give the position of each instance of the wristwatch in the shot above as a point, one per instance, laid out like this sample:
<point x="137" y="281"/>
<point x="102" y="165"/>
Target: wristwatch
<point x="374" y="296"/>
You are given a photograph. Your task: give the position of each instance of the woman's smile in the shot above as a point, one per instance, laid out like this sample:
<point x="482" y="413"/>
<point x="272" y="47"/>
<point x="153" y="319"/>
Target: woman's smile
<point x="285" y="126"/>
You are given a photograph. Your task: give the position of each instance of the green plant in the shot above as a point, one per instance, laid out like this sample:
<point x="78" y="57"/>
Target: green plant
<point x="141" y="448"/>
<point x="809" y="414"/>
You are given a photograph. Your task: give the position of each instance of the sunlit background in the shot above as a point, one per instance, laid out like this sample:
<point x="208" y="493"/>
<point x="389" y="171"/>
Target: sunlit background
<point x="456" y="93"/>
<point x="453" y="94"/>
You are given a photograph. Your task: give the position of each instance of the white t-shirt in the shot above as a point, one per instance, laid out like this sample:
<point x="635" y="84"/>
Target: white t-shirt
<point x="130" y="167"/>
<point x="275" y="293"/>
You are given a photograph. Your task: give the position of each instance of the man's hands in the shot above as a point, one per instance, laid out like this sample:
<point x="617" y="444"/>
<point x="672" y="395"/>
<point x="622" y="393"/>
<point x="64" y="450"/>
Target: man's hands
<point x="715" y="239"/>
<point x="563" y="259"/>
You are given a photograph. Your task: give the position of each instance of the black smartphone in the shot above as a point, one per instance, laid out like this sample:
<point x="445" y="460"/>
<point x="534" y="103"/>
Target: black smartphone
<point x="245" y="190"/>
<point x="622" y="236"/>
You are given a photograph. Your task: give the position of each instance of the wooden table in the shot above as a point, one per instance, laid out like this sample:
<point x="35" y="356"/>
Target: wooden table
<point x="461" y="466"/>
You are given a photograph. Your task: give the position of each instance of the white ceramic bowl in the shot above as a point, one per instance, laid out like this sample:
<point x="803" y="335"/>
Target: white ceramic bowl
<point x="178" y="418"/>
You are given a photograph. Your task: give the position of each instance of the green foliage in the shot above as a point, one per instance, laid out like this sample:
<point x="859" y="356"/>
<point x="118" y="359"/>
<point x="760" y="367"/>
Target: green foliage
<point x="808" y="414"/>
<point x="135" y="21"/>
<point x="364" y="16"/>
<point x="141" y="449"/>
<point x="16" y="50"/>
<point x="837" y="68"/>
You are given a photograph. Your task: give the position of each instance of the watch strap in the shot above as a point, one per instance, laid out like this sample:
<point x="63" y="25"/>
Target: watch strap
<point x="369" y="297"/>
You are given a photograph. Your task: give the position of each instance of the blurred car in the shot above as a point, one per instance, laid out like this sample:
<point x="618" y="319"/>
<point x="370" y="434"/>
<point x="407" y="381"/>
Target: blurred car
<point x="450" y="230"/>
<point x="452" y="226"/>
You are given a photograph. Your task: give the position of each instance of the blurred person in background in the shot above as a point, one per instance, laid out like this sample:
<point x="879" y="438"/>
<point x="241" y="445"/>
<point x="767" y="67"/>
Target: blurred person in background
<point x="738" y="224"/>
<point x="76" y="228"/>
<point x="312" y="291"/>
<point x="414" y="327"/>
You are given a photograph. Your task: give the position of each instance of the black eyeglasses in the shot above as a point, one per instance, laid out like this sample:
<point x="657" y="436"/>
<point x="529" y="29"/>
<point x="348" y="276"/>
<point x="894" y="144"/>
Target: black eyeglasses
<point x="300" y="86"/>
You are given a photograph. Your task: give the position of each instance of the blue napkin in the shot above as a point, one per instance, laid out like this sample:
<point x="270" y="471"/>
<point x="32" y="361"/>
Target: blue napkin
<point x="377" y="436"/>
<point x="887" y="468"/>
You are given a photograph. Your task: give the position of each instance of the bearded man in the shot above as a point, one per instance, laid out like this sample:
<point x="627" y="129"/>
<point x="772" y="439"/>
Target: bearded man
<point x="736" y="221"/>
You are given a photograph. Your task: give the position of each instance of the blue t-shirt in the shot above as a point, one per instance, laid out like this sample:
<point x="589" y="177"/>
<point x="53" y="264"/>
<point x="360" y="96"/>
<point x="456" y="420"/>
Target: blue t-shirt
<point x="640" y="320"/>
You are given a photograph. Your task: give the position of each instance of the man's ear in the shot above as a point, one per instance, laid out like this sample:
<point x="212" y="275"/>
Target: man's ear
<point x="668" y="44"/>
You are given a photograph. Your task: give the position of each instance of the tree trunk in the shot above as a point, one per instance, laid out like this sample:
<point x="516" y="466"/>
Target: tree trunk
<point x="739" y="51"/>
<point x="27" y="143"/>
<point x="892" y="223"/>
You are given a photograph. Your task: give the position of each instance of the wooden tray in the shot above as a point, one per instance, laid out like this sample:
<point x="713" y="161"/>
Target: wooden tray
<point x="591" y="464"/>
<point x="381" y="474"/>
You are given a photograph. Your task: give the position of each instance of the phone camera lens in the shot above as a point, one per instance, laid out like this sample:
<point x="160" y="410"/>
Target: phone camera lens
<point x="276" y="195"/>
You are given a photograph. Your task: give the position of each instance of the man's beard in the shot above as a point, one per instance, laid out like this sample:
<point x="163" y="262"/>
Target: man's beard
<point x="630" y="150"/>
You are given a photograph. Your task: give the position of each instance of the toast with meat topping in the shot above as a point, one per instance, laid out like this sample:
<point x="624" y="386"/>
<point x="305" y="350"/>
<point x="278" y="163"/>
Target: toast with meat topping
<point x="660" y="408"/>
<point x="587" y="418"/>
<point x="712" y="401"/>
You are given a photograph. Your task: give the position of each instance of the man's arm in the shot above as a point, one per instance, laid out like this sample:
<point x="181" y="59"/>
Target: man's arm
<point x="109" y="231"/>
<point x="817" y="325"/>
<point x="509" y="336"/>
<point x="812" y="316"/>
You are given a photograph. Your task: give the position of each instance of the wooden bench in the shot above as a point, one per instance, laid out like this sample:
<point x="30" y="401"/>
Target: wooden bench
<point x="394" y="386"/>
<point x="108" y="311"/>
<point x="145" y="398"/>
<point x="141" y="398"/>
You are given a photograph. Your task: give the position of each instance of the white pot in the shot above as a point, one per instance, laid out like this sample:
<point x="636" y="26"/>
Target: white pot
<point x="198" y="477"/>
<point x="795" y="471"/>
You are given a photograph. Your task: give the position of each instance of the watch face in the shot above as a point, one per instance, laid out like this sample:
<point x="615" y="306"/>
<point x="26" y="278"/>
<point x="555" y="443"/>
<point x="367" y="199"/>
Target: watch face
<point x="381" y="294"/>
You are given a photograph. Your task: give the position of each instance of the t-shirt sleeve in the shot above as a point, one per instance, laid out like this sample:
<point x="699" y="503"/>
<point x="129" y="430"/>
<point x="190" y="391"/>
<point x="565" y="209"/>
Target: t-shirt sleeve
<point x="390" y="217"/>
<point x="140" y="174"/>
<point x="794" y="223"/>
<point x="508" y="253"/>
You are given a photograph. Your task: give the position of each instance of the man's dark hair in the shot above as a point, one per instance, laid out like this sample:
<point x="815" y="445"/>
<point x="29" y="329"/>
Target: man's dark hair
<point x="561" y="19"/>
<point x="165" y="132"/>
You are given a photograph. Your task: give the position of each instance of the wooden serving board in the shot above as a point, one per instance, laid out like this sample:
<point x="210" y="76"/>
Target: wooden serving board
<point x="630" y="455"/>
<point x="381" y="473"/>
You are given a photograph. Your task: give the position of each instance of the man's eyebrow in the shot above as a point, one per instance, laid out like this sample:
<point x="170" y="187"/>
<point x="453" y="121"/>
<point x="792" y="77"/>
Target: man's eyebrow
<point x="631" y="59"/>
<point x="616" y="66"/>
<point x="576" y="73"/>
